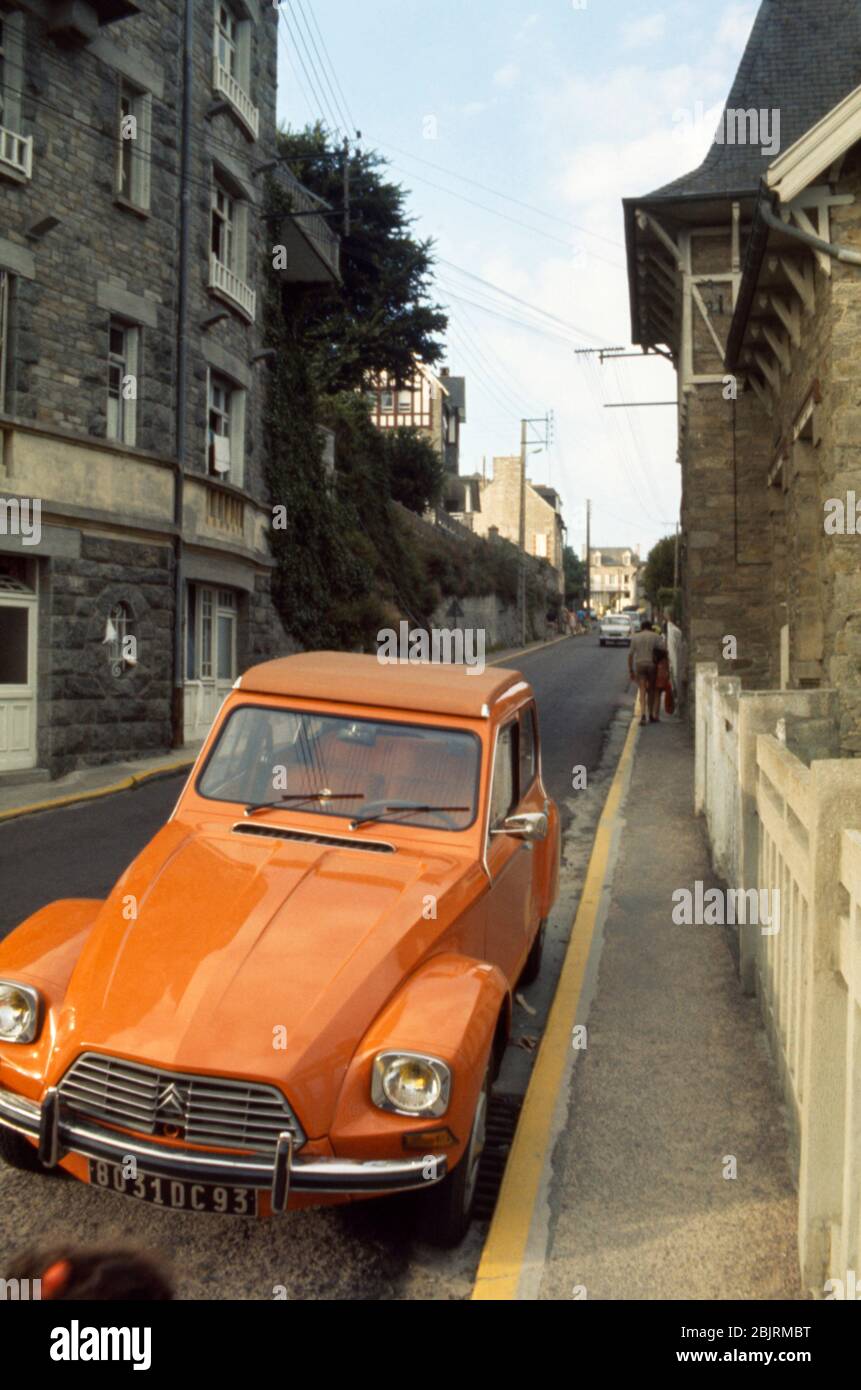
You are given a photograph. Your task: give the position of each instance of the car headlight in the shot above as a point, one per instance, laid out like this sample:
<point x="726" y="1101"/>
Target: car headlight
<point x="410" y="1083"/>
<point x="19" y="1012"/>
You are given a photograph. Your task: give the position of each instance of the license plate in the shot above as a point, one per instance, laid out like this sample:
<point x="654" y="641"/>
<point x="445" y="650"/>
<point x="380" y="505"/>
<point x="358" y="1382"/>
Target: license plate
<point x="175" y="1193"/>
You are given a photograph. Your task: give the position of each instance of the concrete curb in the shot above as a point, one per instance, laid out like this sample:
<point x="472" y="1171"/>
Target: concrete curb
<point x="135" y="779"/>
<point x="505" y="1249"/>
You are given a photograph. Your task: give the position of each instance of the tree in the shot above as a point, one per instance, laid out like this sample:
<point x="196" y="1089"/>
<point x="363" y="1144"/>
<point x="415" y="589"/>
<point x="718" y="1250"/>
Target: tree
<point x="416" y="472"/>
<point x="380" y="317"/>
<point x="575" y="578"/>
<point x="660" y="569"/>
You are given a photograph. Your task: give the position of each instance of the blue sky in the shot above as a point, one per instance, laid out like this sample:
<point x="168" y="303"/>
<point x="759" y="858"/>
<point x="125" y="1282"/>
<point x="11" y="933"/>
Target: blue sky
<point x="566" y="108"/>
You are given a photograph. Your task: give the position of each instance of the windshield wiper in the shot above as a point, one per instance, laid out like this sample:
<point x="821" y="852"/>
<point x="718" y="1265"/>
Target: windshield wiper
<point x="302" y="798"/>
<point x="399" y="808"/>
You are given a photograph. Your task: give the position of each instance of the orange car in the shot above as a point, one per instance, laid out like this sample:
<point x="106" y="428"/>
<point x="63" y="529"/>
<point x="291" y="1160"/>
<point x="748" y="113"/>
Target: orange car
<point x="300" y="990"/>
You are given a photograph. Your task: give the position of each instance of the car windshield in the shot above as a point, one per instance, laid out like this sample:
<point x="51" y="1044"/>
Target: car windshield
<point x="325" y="764"/>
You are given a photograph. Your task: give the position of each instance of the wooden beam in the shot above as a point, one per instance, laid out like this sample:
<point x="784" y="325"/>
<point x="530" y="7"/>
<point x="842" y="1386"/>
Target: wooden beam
<point x="801" y="277"/>
<point x="790" y="317"/>
<point x="763" y="395"/>
<point x="701" y="305"/>
<point x="779" y="346"/>
<point x="768" y="370"/>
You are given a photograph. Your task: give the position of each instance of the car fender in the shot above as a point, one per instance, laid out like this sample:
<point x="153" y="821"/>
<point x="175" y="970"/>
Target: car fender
<point x="44" y="949"/>
<point x="450" y="1008"/>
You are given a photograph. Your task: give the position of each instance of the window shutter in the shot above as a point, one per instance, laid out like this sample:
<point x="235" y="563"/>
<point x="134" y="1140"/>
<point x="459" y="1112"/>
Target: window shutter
<point x="145" y="150"/>
<point x="13" y="84"/>
<point x="237" y="437"/>
<point x="133" y="355"/>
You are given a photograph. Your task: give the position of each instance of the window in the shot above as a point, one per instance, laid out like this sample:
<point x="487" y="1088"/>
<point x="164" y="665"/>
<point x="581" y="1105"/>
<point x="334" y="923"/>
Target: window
<point x="226" y="30"/>
<point x="503" y="795"/>
<point x="134" y="146"/>
<point x="225" y="443"/>
<point x="228" y="248"/>
<point x="231" y="65"/>
<point x="210" y="634"/>
<point x="123" y="352"/>
<point x="541" y="545"/>
<point x="528" y="749"/>
<point x="5" y="289"/>
<point x="16" y="150"/>
<point x="224" y="227"/>
<point x="387" y="400"/>
<point x="405" y="402"/>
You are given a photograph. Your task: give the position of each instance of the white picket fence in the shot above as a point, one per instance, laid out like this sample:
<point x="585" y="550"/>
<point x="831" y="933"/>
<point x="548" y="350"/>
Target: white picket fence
<point x="776" y="822"/>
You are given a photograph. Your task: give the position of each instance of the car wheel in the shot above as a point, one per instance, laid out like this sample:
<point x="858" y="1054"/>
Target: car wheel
<point x="532" y="968"/>
<point x="602" y="641"/>
<point x="18" y="1153"/>
<point x="446" y="1210"/>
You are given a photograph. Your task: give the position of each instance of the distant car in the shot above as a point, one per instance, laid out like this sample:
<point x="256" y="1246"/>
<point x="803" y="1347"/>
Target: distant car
<point x="615" y="630"/>
<point x="636" y="618"/>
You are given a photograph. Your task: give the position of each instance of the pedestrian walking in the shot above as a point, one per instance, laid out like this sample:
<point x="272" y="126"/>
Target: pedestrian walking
<point x="645" y="651"/>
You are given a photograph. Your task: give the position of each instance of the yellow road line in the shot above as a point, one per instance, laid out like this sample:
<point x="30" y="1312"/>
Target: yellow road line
<point x="535" y="647"/>
<point x="502" y="1259"/>
<point x="134" y="780"/>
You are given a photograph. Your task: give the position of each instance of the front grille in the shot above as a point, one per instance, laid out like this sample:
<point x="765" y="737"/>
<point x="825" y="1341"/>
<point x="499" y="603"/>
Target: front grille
<point x="221" y="1112"/>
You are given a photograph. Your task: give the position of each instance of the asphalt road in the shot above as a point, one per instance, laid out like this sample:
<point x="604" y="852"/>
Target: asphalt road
<point x="364" y="1252"/>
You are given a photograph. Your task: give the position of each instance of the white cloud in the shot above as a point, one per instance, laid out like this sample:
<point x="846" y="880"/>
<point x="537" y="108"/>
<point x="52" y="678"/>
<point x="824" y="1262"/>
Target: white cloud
<point x="506" y="76"/>
<point x="529" y="23"/>
<point x="637" y="32"/>
<point x="736" y="23"/>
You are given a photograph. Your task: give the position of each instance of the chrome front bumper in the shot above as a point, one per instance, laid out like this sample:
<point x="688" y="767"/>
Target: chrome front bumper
<point x="58" y="1136"/>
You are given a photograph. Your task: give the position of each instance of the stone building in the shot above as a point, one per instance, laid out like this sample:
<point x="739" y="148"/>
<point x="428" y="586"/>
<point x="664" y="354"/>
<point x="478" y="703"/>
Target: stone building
<point x="498" y="512"/>
<point x="132" y="373"/>
<point x="614" y="578"/>
<point x="747" y="273"/>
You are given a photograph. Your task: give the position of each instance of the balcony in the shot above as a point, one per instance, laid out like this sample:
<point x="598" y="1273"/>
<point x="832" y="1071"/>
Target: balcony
<point x="223" y="282"/>
<point x="313" y="248"/>
<point x="242" y="107"/>
<point x="16" y="153"/>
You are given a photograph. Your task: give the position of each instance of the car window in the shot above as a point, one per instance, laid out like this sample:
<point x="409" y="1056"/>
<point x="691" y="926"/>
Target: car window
<point x="528" y="749"/>
<point x="265" y="753"/>
<point x="503" y="793"/>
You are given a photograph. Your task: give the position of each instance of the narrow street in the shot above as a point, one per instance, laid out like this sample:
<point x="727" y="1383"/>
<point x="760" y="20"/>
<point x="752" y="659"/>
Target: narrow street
<point x="364" y="1252"/>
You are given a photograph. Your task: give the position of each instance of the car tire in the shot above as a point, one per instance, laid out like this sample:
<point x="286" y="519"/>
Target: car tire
<point x="532" y="968"/>
<point x="445" y="1212"/>
<point x="18" y="1153"/>
<point x="602" y="642"/>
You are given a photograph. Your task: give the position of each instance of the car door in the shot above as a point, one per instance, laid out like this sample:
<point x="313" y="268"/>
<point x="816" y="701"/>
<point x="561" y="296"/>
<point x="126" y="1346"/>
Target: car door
<point x="509" y="861"/>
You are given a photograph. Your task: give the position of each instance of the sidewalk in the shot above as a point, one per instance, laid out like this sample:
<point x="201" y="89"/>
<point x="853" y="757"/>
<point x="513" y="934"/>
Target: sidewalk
<point x="24" y="798"/>
<point x="676" y="1077"/>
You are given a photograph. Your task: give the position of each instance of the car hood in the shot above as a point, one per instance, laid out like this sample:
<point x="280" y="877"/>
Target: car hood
<point x="254" y="956"/>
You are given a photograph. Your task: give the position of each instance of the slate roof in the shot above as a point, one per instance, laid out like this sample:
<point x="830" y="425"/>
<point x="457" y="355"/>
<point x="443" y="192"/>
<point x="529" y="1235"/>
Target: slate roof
<point x="802" y="58"/>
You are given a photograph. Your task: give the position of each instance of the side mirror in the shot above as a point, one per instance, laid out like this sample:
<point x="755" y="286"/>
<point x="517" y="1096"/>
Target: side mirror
<point x="529" y="825"/>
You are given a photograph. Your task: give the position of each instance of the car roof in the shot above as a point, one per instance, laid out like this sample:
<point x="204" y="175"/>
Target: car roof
<point x="348" y="678"/>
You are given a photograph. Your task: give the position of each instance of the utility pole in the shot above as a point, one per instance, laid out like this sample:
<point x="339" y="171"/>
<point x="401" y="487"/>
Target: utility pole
<point x="676" y="560"/>
<point x="588" y="558"/>
<point x="347" y="223"/>
<point x="546" y="421"/>
<point x="521" y="537"/>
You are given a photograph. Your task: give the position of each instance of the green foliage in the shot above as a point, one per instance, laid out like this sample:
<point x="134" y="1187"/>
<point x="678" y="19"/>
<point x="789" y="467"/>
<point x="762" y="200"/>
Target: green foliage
<point x="416" y="471"/>
<point x="670" y="602"/>
<point x="349" y="560"/>
<point x="381" y="313"/>
<point x="660" y="568"/>
<point x="575" y="578"/>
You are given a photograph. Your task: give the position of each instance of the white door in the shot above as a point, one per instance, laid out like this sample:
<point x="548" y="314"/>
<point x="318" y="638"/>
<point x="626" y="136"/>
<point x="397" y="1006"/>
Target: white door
<point x="211" y="656"/>
<point x="18" y="616"/>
